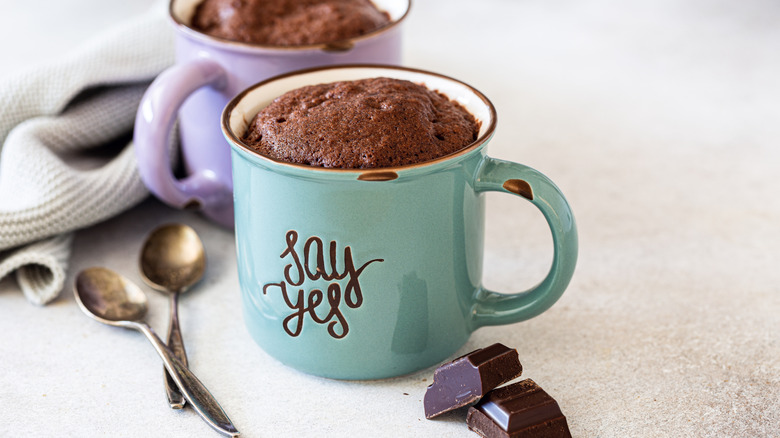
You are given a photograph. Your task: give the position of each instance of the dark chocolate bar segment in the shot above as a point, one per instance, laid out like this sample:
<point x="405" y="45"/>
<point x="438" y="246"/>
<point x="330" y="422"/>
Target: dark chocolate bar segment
<point x="521" y="409"/>
<point x="469" y="377"/>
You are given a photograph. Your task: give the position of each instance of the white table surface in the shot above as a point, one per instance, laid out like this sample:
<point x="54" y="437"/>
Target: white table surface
<point x="660" y="121"/>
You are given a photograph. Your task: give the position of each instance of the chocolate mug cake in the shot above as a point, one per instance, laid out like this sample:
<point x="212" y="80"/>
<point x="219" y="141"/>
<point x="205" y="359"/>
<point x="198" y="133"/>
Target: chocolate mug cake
<point x="353" y="273"/>
<point x="288" y="22"/>
<point x="367" y="123"/>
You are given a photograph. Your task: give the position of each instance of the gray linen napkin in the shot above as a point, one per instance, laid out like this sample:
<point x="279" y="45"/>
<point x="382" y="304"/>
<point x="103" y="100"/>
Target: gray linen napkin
<point x="54" y="120"/>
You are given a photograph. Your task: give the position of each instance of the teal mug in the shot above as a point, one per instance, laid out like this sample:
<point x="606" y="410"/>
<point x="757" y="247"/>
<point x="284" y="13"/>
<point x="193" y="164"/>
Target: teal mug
<point x="374" y="273"/>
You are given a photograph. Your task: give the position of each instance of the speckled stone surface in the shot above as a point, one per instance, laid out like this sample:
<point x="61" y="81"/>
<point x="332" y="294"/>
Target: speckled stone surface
<point x="657" y="119"/>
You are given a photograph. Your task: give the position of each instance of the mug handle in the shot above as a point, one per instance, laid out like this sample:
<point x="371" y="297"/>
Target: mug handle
<point x="493" y="308"/>
<point x="153" y="124"/>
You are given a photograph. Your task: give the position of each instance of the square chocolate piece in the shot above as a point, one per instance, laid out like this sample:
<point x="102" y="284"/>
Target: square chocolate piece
<point x="521" y="409"/>
<point x="469" y="377"/>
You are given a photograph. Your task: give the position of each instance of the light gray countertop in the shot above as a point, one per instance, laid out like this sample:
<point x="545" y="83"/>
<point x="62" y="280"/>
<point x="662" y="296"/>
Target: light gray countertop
<point x="659" y="120"/>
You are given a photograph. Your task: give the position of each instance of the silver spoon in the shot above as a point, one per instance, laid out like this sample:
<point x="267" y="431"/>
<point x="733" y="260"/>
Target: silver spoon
<point x="112" y="299"/>
<point x="172" y="260"/>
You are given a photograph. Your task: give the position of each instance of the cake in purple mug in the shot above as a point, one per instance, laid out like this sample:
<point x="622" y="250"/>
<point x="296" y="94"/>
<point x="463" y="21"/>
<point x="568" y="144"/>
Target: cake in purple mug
<point x="210" y="70"/>
<point x="288" y="22"/>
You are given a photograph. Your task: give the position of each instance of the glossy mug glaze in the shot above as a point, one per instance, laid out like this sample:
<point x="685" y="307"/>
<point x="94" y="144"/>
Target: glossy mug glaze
<point x="208" y="72"/>
<point x="364" y="274"/>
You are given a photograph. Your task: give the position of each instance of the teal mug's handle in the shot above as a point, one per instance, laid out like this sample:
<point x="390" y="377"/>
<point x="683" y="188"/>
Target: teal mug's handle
<point x="493" y="308"/>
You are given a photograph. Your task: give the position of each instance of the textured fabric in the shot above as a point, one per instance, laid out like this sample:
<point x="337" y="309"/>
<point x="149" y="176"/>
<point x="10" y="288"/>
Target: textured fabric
<point x="66" y="162"/>
<point x="39" y="267"/>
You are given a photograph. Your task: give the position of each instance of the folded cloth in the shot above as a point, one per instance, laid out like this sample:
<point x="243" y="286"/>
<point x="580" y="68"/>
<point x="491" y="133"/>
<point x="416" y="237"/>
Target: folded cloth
<point x="55" y="120"/>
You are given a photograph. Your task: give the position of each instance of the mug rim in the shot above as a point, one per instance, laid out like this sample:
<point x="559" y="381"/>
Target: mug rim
<point x="343" y="45"/>
<point x="368" y="174"/>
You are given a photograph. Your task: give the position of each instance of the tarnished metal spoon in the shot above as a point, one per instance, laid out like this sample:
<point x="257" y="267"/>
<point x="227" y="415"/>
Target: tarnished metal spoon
<point x="112" y="299"/>
<point x="172" y="260"/>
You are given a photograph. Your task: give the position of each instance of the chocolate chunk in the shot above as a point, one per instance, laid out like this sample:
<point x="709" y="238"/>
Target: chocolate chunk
<point x="521" y="409"/>
<point x="469" y="377"/>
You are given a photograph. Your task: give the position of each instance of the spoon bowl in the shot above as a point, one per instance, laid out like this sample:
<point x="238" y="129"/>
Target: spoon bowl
<point x="172" y="258"/>
<point x="109" y="297"/>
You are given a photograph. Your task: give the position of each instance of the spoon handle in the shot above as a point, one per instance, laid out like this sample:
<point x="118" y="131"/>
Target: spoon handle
<point x="176" y="344"/>
<point x="193" y="390"/>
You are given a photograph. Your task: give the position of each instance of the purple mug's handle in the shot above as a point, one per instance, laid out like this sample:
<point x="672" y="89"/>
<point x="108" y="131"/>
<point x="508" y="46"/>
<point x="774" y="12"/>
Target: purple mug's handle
<point x="153" y="124"/>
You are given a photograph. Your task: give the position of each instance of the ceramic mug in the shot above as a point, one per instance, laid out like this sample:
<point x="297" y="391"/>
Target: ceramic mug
<point x="208" y="72"/>
<point x="373" y="273"/>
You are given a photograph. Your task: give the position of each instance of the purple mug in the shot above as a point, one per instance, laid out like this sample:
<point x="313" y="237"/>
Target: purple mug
<point x="209" y="71"/>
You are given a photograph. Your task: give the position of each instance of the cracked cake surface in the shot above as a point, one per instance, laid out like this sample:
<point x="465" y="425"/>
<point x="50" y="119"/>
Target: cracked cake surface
<point x="288" y="22"/>
<point x="367" y="123"/>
